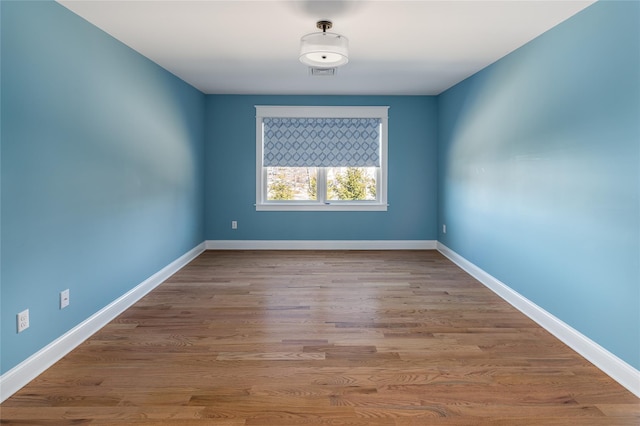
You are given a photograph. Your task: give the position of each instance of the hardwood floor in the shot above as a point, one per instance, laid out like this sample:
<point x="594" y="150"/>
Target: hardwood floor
<point x="322" y="338"/>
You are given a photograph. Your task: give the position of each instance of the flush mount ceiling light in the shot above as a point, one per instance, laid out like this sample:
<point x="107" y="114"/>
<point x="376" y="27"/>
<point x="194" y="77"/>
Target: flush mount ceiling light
<point x="324" y="50"/>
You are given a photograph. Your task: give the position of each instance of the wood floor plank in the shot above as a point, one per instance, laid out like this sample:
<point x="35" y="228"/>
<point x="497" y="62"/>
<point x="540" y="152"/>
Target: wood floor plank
<point x="380" y="338"/>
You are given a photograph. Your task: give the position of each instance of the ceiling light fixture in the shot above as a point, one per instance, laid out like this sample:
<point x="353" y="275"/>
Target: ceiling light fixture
<point x="324" y="50"/>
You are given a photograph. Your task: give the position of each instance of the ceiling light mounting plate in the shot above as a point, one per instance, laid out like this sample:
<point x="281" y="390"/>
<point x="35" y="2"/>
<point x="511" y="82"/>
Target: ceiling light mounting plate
<point x="324" y="25"/>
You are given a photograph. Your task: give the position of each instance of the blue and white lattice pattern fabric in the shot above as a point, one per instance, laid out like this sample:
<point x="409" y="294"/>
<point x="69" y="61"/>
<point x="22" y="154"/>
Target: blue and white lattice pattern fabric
<point x="321" y="142"/>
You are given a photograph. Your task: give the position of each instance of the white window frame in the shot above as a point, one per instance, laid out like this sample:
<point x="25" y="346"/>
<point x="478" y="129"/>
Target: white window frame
<point x="265" y="111"/>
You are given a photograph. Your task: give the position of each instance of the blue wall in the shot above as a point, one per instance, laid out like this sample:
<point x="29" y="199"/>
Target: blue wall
<point x="539" y="173"/>
<point x="231" y="162"/>
<point x="102" y="171"/>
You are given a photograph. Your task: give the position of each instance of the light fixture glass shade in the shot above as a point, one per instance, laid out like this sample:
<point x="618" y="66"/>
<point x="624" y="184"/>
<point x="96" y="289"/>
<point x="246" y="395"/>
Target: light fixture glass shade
<point x="324" y="50"/>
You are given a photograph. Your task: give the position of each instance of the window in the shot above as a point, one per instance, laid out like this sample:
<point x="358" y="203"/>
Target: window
<point x="321" y="158"/>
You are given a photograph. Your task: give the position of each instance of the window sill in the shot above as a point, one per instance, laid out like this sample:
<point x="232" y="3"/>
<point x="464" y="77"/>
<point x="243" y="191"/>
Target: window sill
<point x="316" y="207"/>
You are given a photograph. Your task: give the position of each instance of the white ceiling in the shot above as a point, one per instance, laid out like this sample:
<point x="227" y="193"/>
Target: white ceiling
<point x="396" y="47"/>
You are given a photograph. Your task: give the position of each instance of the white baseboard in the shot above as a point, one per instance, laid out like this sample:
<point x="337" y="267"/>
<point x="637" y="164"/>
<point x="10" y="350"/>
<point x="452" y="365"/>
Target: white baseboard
<point x="610" y="364"/>
<point x="320" y="245"/>
<point x="14" y="379"/>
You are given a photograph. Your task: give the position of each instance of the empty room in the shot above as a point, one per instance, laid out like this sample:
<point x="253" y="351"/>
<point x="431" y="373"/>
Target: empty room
<point x="320" y="212"/>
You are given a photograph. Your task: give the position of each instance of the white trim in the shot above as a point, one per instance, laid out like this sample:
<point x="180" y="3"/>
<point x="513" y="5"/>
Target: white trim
<point x="317" y="207"/>
<point x="610" y="364"/>
<point x="14" y="379"/>
<point x="261" y="172"/>
<point x="320" y="245"/>
<point x="329" y="111"/>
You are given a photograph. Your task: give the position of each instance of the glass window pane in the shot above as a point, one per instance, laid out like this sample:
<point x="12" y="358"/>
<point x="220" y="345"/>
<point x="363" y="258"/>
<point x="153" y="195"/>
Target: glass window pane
<point x="292" y="183"/>
<point x="351" y="183"/>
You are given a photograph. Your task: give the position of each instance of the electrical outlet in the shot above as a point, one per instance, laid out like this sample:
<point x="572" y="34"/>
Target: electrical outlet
<point x="22" y="320"/>
<point x="234" y="224"/>
<point x="64" y="299"/>
<point x="444" y="229"/>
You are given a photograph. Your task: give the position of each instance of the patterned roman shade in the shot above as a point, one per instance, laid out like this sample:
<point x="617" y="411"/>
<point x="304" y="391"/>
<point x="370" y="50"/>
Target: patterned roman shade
<point x="321" y="142"/>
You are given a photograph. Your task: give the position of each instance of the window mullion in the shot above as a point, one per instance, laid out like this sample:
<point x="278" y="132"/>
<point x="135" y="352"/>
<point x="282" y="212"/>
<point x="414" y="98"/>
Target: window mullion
<point x="321" y="185"/>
